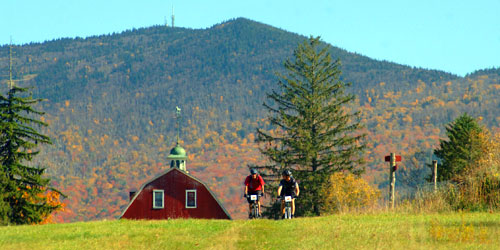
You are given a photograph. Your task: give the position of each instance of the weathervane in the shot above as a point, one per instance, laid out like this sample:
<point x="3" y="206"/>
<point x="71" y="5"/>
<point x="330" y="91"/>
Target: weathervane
<point x="178" y="117"/>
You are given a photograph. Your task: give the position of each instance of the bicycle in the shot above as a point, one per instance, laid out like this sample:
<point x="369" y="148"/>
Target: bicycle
<point x="254" y="199"/>
<point x="288" y="205"/>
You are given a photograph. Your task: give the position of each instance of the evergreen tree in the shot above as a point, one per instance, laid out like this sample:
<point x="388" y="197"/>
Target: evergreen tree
<point x="21" y="185"/>
<point x="315" y="134"/>
<point x="462" y="148"/>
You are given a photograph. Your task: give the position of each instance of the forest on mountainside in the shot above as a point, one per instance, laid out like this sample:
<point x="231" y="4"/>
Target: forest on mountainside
<point x="111" y="101"/>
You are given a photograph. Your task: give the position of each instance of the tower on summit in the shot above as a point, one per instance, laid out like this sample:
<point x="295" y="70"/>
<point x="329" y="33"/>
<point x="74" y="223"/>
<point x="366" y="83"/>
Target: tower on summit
<point x="173" y="16"/>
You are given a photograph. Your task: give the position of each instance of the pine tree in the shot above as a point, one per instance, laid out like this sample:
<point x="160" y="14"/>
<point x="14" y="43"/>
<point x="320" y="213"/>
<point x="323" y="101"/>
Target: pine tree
<point x="315" y="135"/>
<point x="21" y="185"/>
<point x="462" y="149"/>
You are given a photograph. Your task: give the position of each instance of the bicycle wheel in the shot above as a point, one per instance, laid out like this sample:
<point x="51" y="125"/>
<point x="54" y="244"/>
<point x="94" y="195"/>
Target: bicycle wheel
<point x="255" y="211"/>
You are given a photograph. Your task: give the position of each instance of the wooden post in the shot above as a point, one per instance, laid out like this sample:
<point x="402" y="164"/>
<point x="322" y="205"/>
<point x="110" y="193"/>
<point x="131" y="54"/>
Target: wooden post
<point x="392" y="179"/>
<point x="434" y="174"/>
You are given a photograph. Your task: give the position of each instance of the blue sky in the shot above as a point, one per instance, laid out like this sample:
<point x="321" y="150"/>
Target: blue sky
<point x="458" y="36"/>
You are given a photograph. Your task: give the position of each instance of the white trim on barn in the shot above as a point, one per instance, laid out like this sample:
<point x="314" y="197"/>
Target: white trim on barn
<point x="157" y="192"/>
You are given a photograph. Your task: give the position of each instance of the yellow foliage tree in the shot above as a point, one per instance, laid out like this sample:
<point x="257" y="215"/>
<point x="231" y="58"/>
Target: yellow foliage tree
<point x="345" y="191"/>
<point x="478" y="185"/>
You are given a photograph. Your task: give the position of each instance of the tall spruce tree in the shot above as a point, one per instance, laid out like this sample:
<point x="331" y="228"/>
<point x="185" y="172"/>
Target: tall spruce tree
<point x="315" y="135"/>
<point x="21" y="186"/>
<point x="462" y="149"/>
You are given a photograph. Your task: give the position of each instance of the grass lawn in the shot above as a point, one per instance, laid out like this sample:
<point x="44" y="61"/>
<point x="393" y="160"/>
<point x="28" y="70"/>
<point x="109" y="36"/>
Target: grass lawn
<point x="345" y="231"/>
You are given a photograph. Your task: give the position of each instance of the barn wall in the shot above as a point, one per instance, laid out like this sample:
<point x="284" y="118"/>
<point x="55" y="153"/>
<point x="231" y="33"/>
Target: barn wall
<point x="174" y="183"/>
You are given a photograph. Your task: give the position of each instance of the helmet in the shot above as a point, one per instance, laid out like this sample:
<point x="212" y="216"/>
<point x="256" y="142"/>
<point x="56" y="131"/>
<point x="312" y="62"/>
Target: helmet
<point x="287" y="172"/>
<point x="253" y="171"/>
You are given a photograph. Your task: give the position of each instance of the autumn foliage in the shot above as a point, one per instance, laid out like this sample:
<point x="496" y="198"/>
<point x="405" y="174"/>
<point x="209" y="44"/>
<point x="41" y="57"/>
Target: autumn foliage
<point x="51" y="198"/>
<point x="346" y="191"/>
<point x="479" y="186"/>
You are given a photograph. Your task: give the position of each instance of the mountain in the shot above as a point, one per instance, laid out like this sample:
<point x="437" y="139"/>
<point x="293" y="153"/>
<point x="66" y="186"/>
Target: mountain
<point x="111" y="99"/>
<point x="164" y="65"/>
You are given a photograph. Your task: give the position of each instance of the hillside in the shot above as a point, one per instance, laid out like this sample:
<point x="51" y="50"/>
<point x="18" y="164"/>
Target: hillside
<point x="139" y="75"/>
<point x="111" y="98"/>
<point x="378" y="231"/>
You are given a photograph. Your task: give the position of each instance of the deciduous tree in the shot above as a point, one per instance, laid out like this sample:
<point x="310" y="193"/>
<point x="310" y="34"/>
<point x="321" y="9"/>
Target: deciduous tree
<point x="344" y="191"/>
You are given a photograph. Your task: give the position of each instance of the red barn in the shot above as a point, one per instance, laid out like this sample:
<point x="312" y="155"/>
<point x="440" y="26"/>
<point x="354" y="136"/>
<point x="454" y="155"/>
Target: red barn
<point x="174" y="194"/>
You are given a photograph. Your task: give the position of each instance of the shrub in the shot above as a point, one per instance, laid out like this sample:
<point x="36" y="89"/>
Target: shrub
<point x="345" y="191"/>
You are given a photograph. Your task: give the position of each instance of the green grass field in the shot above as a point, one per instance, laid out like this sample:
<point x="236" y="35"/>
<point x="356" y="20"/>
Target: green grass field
<point x="346" y="231"/>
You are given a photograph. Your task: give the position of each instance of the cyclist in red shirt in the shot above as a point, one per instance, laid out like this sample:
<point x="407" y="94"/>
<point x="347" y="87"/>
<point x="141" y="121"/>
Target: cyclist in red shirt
<point x="254" y="184"/>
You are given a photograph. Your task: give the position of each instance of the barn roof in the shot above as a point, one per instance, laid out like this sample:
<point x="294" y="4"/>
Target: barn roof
<point x="166" y="172"/>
